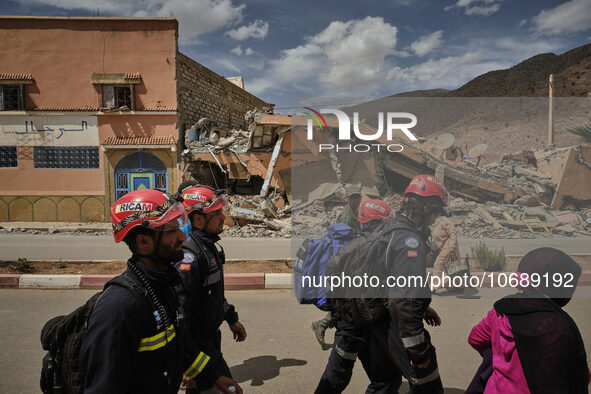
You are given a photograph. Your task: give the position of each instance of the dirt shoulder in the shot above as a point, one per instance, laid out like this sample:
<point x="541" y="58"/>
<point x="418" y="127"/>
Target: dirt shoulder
<point x="116" y="267"/>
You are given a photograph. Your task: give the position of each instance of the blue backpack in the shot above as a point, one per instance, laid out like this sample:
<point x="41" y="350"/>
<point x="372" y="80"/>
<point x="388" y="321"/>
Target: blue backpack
<point x="310" y="265"/>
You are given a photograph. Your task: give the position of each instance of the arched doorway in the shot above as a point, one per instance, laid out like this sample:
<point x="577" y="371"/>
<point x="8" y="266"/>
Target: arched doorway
<point x="140" y="170"/>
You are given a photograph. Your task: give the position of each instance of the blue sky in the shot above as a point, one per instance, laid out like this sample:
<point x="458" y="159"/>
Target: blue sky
<point x="327" y="51"/>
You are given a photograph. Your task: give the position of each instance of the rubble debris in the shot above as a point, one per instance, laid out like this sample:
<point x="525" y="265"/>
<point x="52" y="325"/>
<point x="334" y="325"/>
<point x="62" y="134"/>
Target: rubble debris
<point x="525" y="194"/>
<point x="569" y="218"/>
<point x="527" y="201"/>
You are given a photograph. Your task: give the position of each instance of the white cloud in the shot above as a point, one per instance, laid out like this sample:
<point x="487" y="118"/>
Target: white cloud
<point x="481" y="56"/>
<point x="447" y="72"/>
<point x="359" y="58"/>
<point x="477" y="7"/>
<point x="239" y="52"/>
<point x="483" y="11"/>
<point x="428" y="43"/>
<point x="196" y="17"/>
<point x="106" y="6"/>
<point x="523" y="22"/>
<point x="351" y="53"/>
<point x="236" y="51"/>
<point x="572" y="16"/>
<point x="257" y="29"/>
<point x="227" y="64"/>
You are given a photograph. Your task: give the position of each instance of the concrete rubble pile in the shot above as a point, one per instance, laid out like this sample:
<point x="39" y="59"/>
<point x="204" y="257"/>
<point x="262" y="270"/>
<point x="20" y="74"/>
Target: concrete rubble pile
<point x="204" y="135"/>
<point x="255" y="216"/>
<point x="525" y="194"/>
<point x="472" y="219"/>
<point x="510" y="221"/>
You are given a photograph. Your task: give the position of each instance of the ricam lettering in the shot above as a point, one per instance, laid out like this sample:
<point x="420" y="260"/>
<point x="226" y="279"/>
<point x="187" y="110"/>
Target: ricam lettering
<point x="133" y="206"/>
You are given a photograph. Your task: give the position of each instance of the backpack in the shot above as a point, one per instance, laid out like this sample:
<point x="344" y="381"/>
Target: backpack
<point x="311" y="259"/>
<point x="362" y="256"/>
<point x="62" y="337"/>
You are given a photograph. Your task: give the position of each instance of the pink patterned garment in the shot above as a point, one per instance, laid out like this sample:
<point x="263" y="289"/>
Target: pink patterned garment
<point x="494" y="331"/>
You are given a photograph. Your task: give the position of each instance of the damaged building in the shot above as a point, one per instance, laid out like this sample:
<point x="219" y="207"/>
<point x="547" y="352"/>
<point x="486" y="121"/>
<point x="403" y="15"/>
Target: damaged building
<point x="292" y="181"/>
<point x="108" y="117"/>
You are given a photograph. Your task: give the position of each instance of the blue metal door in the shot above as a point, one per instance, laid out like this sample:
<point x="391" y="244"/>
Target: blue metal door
<point x="140" y="170"/>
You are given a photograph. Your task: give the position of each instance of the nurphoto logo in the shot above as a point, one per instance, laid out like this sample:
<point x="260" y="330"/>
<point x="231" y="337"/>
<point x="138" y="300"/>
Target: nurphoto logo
<point x="409" y="121"/>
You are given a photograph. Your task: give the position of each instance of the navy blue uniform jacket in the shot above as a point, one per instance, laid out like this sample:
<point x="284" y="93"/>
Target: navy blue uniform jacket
<point x="126" y="351"/>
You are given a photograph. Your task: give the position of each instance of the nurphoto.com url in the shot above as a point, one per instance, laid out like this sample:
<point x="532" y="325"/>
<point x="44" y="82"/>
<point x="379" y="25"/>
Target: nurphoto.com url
<point x="490" y="279"/>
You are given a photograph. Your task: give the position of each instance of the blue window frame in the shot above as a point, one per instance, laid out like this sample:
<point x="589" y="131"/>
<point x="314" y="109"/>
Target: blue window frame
<point x="66" y="156"/>
<point x="140" y="170"/>
<point x="8" y="156"/>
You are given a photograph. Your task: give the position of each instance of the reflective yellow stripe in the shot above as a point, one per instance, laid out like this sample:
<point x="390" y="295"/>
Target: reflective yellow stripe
<point x="157" y="341"/>
<point x="197" y="366"/>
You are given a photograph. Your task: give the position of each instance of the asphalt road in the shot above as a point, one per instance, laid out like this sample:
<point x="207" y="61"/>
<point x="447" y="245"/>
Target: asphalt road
<point x="280" y="354"/>
<point x="102" y="247"/>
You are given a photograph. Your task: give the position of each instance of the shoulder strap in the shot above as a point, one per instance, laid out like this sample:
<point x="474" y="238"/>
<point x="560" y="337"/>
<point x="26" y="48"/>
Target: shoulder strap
<point x="392" y="229"/>
<point x="399" y="226"/>
<point x="125" y="281"/>
<point x="198" y="250"/>
<point x="193" y="245"/>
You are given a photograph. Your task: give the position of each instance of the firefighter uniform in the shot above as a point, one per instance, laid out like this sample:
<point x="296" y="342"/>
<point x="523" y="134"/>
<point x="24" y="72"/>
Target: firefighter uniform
<point x="408" y="339"/>
<point x="202" y="274"/>
<point x="350" y="343"/>
<point x="127" y="349"/>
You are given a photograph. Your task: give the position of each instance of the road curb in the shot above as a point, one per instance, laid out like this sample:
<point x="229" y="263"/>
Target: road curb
<point x="244" y="281"/>
<point x="278" y="281"/>
<point x="49" y="281"/>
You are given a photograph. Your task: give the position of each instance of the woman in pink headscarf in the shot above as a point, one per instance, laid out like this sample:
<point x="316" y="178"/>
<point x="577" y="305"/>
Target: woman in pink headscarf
<point x="535" y="345"/>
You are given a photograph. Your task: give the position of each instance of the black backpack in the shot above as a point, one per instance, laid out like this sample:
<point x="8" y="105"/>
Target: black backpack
<point x="362" y="256"/>
<point x="62" y="338"/>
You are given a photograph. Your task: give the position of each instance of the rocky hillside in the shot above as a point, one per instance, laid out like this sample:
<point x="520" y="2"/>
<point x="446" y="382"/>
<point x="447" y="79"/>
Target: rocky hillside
<point x="506" y="109"/>
<point x="572" y="77"/>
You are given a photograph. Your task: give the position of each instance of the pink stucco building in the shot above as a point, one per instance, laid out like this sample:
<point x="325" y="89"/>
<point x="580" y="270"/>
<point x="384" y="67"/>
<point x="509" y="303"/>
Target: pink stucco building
<point x="92" y="108"/>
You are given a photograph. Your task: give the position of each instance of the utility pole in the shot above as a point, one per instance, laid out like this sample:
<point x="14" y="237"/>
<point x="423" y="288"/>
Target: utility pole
<point x="550" y="109"/>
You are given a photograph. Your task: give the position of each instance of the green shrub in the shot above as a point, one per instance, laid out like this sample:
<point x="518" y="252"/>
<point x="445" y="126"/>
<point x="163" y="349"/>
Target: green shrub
<point x="583" y="131"/>
<point x="488" y="259"/>
<point x="22" y="265"/>
<point x="61" y="264"/>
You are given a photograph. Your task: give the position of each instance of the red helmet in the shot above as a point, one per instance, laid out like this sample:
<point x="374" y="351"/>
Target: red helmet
<point x="427" y="186"/>
<point x="147" y="208"/>
<point x="374" y="209"/>
<point x="203" y="199"/>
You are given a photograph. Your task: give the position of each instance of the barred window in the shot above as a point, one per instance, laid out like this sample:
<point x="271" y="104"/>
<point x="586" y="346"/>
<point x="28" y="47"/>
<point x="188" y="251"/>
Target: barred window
<point x="66" y="156"/>
<point x="118" y="97"/>
<point x="8" y="156"/>
<point x="11" y="97"/>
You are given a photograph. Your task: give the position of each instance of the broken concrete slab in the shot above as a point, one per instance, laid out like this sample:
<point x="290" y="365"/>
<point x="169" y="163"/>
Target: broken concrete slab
<point x="570" y="217"/>
<point x="527" y="201"/>
<point x="575" y="180"/>
<point x="267" y="208"/>
<point x="279" y="203"/>
<point x="222" y="143"/>
<point x="275" y="224"/>
<point x="246" y="214"/>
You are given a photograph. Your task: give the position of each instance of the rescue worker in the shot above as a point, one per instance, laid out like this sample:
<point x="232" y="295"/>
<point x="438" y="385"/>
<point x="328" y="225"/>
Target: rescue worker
<point x="201" y="270"/>
<point x="136" y="342"/>
<point x="349" y="217"/>
<point x="408" y="341"/>
<point x="445" y="238"/>
<point x="349" y="214"/>
<point x="351" y="342"/>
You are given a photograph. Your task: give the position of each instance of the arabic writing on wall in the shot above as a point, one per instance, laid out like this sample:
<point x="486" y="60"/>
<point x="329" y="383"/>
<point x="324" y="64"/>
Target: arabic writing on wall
<point x="49" y="130"/>
<point x="29" y="123"/>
